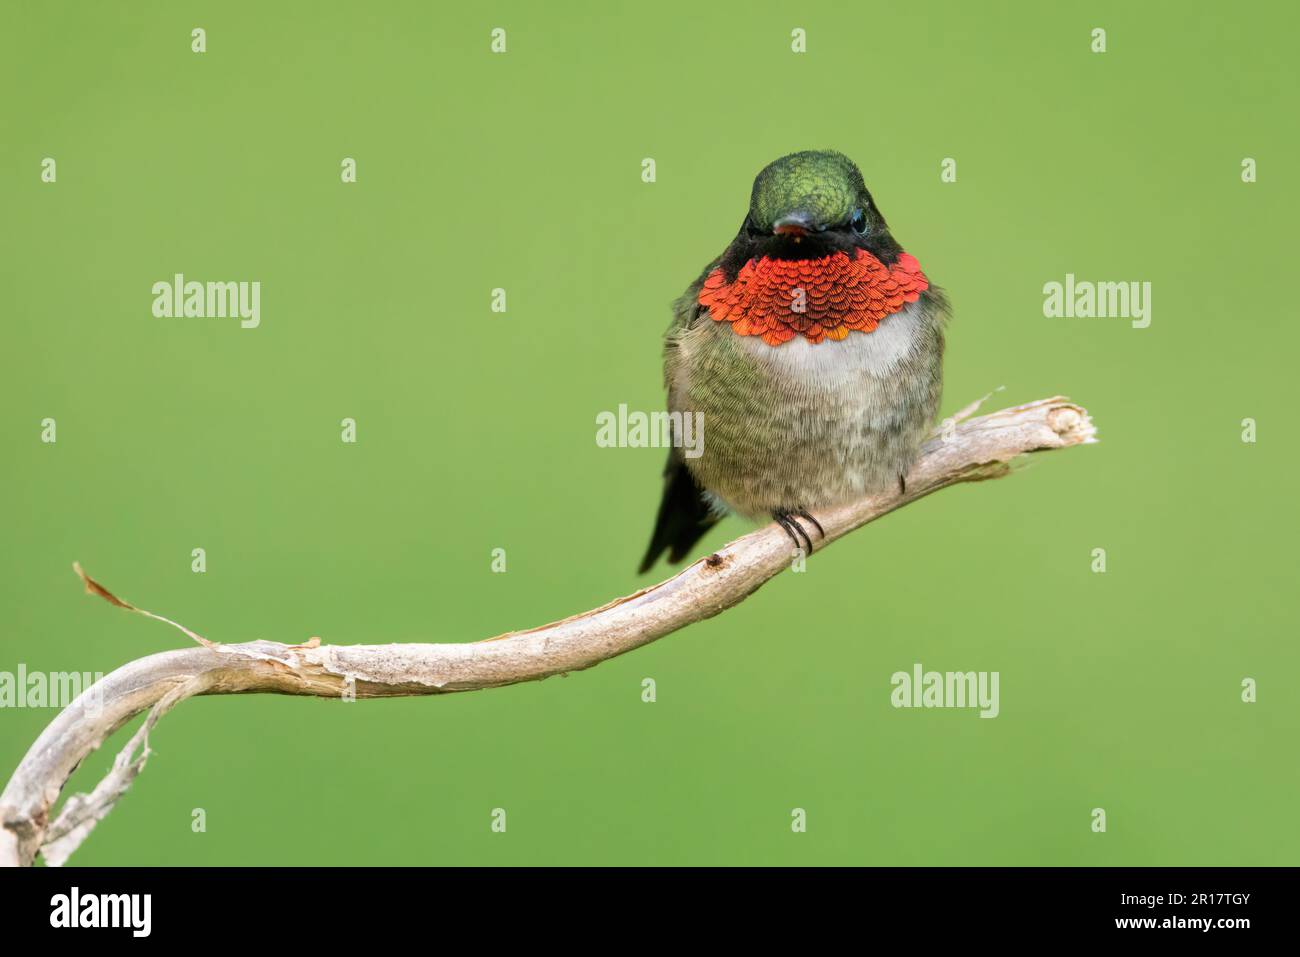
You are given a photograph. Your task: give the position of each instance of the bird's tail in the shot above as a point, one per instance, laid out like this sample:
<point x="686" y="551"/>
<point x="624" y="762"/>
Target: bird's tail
<point x="683" y="518"/>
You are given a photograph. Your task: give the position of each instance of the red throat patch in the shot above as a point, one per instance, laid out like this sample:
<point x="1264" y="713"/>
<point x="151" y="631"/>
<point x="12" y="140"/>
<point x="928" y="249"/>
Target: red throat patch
<point x="838" y="294"/>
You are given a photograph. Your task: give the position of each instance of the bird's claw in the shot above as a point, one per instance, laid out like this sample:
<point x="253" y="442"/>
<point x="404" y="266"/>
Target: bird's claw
<point x="788" y="519"/>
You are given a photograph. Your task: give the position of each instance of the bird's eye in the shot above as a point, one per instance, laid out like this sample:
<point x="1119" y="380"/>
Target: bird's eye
<point x="751" y="229"/>
<point x="859" y="222"/>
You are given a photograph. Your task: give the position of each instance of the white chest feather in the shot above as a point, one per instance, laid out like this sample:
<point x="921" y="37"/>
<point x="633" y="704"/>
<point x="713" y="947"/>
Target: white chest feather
<point x="833" y="364"/>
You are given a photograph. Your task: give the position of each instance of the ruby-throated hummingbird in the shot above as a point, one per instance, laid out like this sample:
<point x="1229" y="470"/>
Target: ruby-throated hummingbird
<point x="812" y="350"/>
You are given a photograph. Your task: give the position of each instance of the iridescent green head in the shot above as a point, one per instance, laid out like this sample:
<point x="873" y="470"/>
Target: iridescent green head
<point x="807" y="205"/>
<point x="821" y="186"/>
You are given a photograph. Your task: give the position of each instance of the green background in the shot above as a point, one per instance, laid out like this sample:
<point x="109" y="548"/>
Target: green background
<point x="476" y="430"/>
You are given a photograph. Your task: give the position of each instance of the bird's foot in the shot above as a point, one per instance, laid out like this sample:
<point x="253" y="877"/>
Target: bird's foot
<point x="802" y="513"/>
<point x="788" y="519"/>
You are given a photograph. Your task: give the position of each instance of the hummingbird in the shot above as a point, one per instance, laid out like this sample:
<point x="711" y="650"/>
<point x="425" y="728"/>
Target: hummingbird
<point x="811" y="352"/>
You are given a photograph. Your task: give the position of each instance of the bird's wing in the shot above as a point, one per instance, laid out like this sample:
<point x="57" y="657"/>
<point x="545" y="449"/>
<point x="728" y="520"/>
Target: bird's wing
<point x="684" y="516"/>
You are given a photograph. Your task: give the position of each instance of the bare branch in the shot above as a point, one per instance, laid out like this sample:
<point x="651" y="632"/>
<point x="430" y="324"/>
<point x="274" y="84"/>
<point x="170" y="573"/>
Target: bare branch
<point x="972" y="450"/>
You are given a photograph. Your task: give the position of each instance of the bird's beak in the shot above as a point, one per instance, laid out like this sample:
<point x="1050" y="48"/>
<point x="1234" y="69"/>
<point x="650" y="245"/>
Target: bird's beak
<point x="797" y="225"/>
